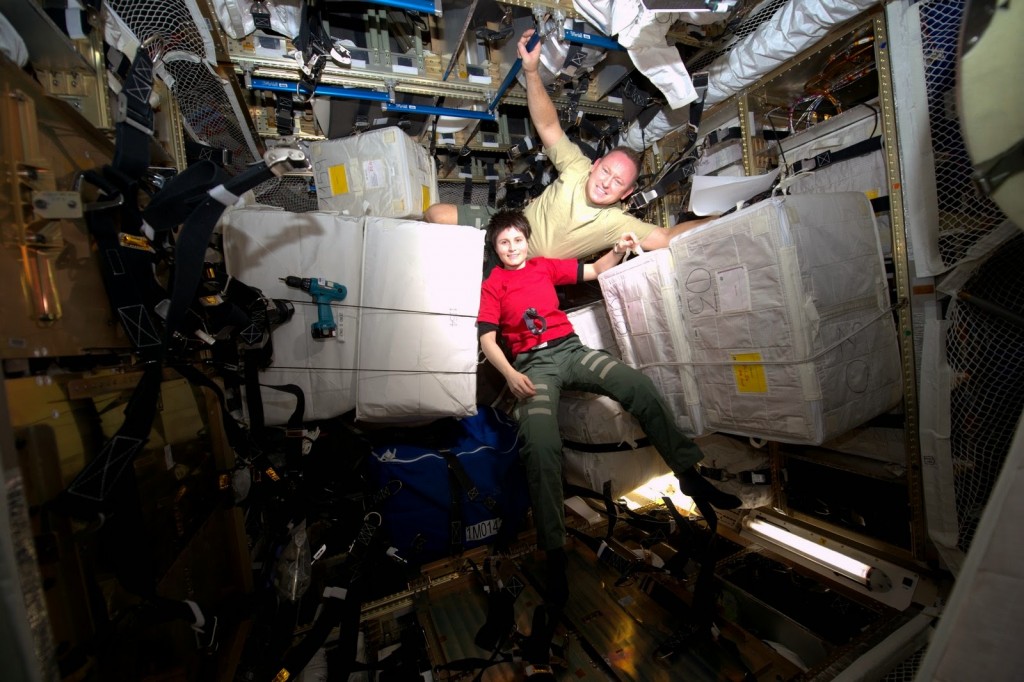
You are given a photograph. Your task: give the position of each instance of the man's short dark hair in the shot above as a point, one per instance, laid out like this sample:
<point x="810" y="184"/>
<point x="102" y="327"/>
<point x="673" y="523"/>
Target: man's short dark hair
<point x="502" y="220"/>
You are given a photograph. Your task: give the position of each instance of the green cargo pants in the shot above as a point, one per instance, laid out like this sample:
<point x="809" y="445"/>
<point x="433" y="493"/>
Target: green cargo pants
<point x="572" y="366"/>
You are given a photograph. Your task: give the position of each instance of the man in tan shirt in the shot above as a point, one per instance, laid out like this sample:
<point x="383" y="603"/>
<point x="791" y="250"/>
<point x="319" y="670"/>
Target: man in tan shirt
<point x="581" y="212"/>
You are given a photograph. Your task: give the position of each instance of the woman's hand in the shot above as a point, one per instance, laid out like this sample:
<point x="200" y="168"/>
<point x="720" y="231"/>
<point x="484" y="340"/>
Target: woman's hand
<point x="628" y="242"/>
<point x="520" y="385"/>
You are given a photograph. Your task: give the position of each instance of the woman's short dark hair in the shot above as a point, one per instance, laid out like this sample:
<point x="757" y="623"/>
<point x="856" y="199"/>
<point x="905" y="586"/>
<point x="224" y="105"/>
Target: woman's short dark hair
<point x="502" y="220"/>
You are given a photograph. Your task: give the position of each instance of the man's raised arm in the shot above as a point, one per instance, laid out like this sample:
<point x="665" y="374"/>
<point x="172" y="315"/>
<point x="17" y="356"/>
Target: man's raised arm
<point x="538" y="101"/>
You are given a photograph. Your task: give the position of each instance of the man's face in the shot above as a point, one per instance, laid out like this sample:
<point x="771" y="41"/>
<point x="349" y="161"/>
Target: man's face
<point x="612" y="179"/>
<point x="511" y="247"/>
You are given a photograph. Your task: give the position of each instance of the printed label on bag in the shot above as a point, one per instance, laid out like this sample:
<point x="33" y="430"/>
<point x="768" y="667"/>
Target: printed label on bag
<point x="484" y="529"/>
<point x="339" y="179"/>
<point x="373" y="173"/>
<point x="749" y="378"/>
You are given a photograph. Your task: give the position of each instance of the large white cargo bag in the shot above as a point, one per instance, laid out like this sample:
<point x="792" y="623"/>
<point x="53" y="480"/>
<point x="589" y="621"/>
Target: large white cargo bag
<point x="380" y="173"/>
<point x="417" y="332"/>
<point x="643" y="304"/>
<point x="263" y="245"/>
<point x="788" y="319"/>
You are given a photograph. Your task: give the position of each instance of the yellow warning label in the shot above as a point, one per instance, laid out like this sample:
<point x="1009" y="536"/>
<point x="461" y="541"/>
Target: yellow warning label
<point x="339" y="179"/>
<point x="749" y="378"/>
<point x="282" y="676"/>
<point x="872" y="193"/>
<point x="426" y="197"/>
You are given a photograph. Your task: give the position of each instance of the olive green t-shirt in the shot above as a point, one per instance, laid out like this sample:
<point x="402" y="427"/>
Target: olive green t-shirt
<point x="564" y="224"/>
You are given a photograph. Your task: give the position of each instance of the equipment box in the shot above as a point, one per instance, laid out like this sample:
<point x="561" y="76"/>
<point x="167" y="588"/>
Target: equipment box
<point x="381" y="173"/>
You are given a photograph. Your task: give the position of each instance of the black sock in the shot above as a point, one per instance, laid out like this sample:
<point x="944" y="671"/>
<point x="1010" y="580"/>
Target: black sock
<point x="698" y="487"/>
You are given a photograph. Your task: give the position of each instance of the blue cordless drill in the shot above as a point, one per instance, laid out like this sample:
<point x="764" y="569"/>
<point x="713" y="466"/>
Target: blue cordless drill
<point x="324" y="292"/>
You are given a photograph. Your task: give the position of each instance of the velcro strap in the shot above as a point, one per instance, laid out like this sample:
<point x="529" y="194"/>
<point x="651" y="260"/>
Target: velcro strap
<point x="284" y="113"/>
<point x="827" y="158"/>
<point x="261" y="16"/>
<point x="525" y="145"/>
<point x="722" y="135"/>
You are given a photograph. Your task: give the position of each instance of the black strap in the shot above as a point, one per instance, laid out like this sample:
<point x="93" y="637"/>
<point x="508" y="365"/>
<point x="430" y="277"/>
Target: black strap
<point x="134" y="117"/>
<point x="491" y="175"/>
<point x="827" y="158"/>
<point x="261" y="16"/>
<point x="466" y="172"/>
<point x="284" y="113"/>
<point x="723" y="135"/>
<point x="748" y="477"/>
<point x="686" y="165"/>
<point x="524" y="145"/>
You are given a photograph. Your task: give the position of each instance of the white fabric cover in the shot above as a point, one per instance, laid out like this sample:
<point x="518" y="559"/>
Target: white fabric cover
<point x="383" y="173"/>
<point x="627" y="469"/>
<point x="862" y="173"/>
<point x="798" y="283"/>
<point x="643" y="34"/>
<point x="736" y="455"/>
<point x="235" y="16"/>
<point x="795" y="27"/>
<point x="643" y="304"/>
<point x="417" y="333"/>
<point x="262" y="245"/>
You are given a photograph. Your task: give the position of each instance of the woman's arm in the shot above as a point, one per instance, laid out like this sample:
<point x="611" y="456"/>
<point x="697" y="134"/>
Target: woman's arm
<point x="610" y="259"/>
<point x="518" y="383"/>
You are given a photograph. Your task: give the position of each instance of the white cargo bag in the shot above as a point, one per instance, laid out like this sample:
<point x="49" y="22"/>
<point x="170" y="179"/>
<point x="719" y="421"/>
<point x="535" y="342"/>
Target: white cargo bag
<point x="380" y="173"/>
<point x="417" y="332"/>
<point x="788" y="318"/>
<point x="643" y="303"/>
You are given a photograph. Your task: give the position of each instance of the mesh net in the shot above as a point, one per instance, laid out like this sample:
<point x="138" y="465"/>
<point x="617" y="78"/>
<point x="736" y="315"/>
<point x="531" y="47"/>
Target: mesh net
<point x="906" y="670"/>
<point x="985" y="350"/>
<point x="454" y="192"/>
<point x="294" y="193"/>
<point x="965" y="215"/>
<point x="207" y="103"/>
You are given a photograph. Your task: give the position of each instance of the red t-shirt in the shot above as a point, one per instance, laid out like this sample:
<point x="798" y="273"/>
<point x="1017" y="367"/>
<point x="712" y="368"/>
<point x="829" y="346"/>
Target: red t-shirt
<point x="507" y="294"/>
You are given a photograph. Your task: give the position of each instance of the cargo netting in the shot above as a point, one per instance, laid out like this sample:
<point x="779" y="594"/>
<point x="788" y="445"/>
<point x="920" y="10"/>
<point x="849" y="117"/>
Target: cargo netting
<point x="210" y="111"/>
<point x="294" y="193"/>
<point x="965" y="213"/>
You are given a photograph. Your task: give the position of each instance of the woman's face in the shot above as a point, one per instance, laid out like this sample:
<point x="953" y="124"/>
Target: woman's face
<point x="511" y="246"/>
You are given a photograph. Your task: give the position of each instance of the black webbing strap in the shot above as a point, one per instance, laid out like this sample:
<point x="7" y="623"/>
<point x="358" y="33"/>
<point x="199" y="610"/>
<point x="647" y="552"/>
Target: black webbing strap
<point x="362" y="118"/>
<point x="261" y="16"/>
<point x="491" y="175"/>
<point x="97" y="479"/>
<point x="827" y="158"/>
<point x="686" y="165"/>
<point x="466" y="173"/>
<point x="463" y="483"/>
<point x="524" y="145"/>
<point x="748" y="477"/>
<point x="723" y="135"/>
<point x="100" y="477"/>
<point x="340" y="606"/>
<point x="199" y="151"/>
<point x="134" y="117"/>
<point x="284" y="114"/>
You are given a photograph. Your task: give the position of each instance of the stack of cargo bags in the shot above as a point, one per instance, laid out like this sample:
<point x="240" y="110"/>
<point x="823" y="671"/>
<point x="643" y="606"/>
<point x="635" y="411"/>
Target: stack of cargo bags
<point x="406" y="347"/>
<point x="772" y="322"/>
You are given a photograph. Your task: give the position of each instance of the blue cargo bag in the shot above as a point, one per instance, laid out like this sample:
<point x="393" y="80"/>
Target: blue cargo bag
<point x="462" y="485"/>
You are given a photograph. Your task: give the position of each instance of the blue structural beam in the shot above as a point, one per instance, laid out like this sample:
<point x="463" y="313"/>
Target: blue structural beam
<point x="326" y="90"/>
<point x="428" y="110"/>
<point x="427" y="6"/>
<point x="592" y="39"/>
<point x="371" y="96"/>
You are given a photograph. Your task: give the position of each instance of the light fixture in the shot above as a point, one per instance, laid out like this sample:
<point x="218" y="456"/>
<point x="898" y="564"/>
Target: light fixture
<point x="871" y="577"/>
